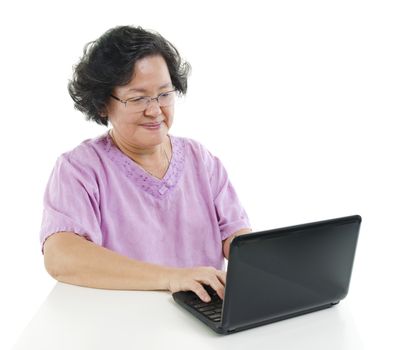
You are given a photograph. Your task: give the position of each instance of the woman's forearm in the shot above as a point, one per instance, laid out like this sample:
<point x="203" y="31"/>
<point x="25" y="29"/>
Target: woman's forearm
<point x="72" y="259"/>
<point x="227" y="242"/>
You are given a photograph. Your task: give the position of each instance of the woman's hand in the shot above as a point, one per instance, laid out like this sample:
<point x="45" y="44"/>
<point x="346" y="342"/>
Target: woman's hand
<point x="193" y="279"/>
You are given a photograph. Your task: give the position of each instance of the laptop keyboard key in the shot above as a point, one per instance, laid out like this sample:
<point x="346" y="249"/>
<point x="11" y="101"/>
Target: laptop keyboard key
<point x="207" y="308"/>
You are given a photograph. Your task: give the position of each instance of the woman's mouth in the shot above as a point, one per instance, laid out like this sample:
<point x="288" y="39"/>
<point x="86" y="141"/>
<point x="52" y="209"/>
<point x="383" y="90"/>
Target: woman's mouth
<point x="151" y="126"/>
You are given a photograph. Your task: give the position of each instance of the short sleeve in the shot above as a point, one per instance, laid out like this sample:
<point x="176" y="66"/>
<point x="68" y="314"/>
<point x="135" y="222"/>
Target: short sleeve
<point x="230" y="213"/>
<point x="71" y="202"/>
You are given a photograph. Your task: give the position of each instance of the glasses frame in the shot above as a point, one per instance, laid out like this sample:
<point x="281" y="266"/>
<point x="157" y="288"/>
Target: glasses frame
<point x="148" y="98"/>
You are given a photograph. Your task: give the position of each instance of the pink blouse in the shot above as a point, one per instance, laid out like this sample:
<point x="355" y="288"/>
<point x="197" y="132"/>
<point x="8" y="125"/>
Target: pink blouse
<point x="98" y="192"/>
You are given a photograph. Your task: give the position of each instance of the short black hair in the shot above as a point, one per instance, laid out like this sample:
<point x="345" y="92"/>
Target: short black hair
<point x="109" y="62"/>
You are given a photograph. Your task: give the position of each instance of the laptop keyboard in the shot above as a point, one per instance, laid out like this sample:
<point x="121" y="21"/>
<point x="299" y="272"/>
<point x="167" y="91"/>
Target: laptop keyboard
<point x="212" y="309"/>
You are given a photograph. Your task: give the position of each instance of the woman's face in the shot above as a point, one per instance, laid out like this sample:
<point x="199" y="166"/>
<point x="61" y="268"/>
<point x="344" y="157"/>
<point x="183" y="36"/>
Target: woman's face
<point x="147" y="128"/>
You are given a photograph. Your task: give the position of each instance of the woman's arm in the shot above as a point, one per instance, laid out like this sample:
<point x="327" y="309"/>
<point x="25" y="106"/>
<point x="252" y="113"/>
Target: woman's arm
<point x="72" y="259"/>
<point x="228" y="240"/>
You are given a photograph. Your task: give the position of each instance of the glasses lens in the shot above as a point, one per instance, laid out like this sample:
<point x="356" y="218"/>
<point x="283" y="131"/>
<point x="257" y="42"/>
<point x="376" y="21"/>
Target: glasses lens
<point x="140" y="104"/>
<point x="167" y="99"/>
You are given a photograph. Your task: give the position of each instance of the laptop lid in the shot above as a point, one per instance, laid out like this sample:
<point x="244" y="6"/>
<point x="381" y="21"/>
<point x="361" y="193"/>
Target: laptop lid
<point x="289" y="271"/>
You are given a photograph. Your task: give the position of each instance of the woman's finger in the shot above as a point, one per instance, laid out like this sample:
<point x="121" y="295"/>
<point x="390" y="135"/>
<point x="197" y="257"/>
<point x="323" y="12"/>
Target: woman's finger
<point x="201" y="292"/>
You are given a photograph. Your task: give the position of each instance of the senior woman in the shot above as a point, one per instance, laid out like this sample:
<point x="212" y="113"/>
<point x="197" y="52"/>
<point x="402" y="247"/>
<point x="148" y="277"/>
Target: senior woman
<point x="137" y="208"/>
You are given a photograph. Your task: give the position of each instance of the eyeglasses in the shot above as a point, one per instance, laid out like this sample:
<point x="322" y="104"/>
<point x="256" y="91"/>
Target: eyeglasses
<point x="140" y="104"/>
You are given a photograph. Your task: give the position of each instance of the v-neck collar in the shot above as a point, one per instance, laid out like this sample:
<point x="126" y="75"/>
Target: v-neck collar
<point x="158" y="188"/>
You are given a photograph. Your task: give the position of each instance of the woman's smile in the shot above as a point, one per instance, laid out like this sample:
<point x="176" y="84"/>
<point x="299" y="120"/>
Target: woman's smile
<point x="152" y="126"/>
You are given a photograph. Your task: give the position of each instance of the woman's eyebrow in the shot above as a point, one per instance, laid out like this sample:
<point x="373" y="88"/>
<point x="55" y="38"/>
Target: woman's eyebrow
<point x="166" y="85"/>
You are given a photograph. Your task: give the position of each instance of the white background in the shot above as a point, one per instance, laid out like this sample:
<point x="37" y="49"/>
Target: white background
<point x="301" y="100"/>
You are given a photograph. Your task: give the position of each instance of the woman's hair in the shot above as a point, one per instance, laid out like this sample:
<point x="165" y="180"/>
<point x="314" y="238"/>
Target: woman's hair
<point x="109" y="62"/>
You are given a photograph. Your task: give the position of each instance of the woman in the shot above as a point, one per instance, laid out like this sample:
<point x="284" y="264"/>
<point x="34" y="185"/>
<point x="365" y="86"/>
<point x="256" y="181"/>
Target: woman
<point x="137" y="208"/>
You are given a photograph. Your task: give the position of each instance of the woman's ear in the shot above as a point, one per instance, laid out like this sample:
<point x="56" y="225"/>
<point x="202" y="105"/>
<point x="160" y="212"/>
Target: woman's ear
<point x="104" y="113"/>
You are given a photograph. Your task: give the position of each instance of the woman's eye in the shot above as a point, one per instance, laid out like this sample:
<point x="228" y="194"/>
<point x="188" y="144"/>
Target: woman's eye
<point x="137" y="99"/>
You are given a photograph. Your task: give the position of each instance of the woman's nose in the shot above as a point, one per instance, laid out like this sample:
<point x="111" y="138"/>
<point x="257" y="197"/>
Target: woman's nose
<point x="153" y="109"/>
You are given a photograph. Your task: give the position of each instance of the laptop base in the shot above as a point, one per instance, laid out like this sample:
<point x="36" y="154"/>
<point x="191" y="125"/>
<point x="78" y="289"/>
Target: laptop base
<point x="181" y="297"/>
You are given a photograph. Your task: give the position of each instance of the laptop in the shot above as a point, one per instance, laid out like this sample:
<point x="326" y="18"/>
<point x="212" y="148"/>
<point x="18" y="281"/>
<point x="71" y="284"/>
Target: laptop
<point x="281" y="273"/>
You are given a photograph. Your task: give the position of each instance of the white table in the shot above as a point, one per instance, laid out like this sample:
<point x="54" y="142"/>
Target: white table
<point x="83" y="318"/>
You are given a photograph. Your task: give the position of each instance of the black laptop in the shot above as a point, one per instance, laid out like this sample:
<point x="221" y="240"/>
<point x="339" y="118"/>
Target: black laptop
<point x="281" y="273"/>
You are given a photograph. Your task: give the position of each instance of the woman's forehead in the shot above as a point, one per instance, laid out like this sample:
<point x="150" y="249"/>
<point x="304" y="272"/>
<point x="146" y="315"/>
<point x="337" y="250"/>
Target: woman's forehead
<point x="149" y="73"/>
<point x="150" y="64"/>
<point x="163" y="86"/>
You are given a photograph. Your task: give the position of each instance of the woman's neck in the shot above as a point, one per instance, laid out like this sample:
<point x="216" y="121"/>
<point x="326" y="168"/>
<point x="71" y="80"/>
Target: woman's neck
<point x="155" y="160"/>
